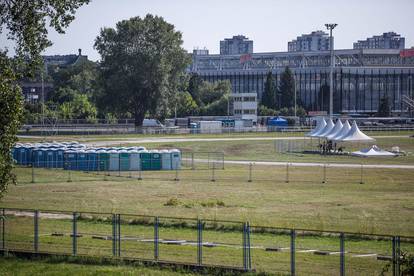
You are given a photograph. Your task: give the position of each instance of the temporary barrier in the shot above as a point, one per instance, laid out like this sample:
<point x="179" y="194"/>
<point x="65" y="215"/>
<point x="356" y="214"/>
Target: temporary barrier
<point x="70" y="157"/>
<point x="175" y="159"/>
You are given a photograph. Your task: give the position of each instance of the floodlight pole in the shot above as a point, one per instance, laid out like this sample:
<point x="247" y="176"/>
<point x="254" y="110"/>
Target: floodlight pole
<point x="330" y="27"/>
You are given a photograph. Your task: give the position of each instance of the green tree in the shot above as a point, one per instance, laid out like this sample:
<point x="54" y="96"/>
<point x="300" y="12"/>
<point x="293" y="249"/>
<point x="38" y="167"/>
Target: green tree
<point x="25" y="24"/>
<point x="82" y="108"/>
<point x="194" y="87"/>
<point x="186" y="105"/>
<point x="287" y="89"/>
<point x="265" y="111"/>
<point x="384" y="107"/>
<point x="269" y="93"/>
<point x="142" y="61"/>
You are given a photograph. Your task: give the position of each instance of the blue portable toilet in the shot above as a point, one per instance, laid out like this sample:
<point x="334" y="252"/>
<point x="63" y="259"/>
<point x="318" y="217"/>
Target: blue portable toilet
<point x="92" y="160"/>
<point x="59" y="158"/>
<point x="124" y="157"/>
<point x="70" y="160"/>
<point x="50" y="158"/>
<point x="23" y="151"/>
<point x="113" y="160"/>
<point x="175" y="159"/>
<point x="39" y="155"/>
<point x="15" y="153"/>
<point x="82" y="160"/>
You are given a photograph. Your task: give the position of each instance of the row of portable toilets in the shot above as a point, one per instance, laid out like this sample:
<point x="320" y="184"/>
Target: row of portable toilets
<point x="75" y="156"/>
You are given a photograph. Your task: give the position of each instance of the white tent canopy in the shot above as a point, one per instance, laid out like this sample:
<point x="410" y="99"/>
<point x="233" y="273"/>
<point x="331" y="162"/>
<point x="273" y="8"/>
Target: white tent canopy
<point x="355" y="135"/>
<point x="329" y="126"/>
<point x="319" y="126"/>
<point x="337" y="128"/>
<point x="346" y="127"/>
<point x="374" y="151"/>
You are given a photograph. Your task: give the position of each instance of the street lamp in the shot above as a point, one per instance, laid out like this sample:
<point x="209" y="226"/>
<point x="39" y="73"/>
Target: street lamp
<point x="330" y="27"/>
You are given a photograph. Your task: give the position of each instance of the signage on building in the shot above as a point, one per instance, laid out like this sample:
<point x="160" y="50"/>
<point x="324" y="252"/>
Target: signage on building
<point x="246" y="57"/>
<point x="407" y="53"/>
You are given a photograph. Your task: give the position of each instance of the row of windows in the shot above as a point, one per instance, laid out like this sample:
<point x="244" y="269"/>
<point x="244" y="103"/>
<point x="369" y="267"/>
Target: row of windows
<point x="244" y="99"/>
<point x="245" y="111"/>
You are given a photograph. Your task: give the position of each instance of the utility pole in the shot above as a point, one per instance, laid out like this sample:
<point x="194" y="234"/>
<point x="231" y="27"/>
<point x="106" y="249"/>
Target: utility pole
<point x="330" y="27"/>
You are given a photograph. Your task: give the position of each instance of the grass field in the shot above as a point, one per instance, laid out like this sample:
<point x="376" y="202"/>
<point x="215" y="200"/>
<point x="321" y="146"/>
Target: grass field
<point x="20" y="267"/>
<point x="382" y="205"/>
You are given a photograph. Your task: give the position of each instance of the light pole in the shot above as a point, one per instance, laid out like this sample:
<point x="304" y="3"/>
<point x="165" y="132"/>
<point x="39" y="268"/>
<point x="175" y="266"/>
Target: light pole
<point x="294" y="81"/>
<point x="330" y="27"/>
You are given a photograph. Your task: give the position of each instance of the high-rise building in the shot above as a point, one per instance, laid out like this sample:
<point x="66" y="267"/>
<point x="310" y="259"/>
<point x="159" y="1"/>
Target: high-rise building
<point x="390" y="40"/>
<point x="237" y="45"/>
<point x="315" y="41"/>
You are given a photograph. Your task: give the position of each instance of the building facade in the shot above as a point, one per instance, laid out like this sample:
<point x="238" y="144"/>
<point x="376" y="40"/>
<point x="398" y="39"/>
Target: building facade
<point x="390" y="40"/>
<point x="315" y="41"/>
<point x="35" y="90"/>
<point x="237" y="45"/>
<point x="361" y="76"/>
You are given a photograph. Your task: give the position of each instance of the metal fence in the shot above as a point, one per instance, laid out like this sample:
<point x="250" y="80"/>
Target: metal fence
<point x="200" y="242"/>
<point x="213" y="168"/>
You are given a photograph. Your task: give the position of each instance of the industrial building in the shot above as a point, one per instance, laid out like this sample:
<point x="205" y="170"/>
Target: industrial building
<point x="390" y="40"/>
<point x="361" y="77"/>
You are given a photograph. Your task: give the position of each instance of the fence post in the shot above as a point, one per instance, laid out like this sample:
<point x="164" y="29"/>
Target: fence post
<point x="156" y="236"/>
<point x="250" y="172"/>
<point x="324" y="173"/>
<point x="33" y="173"/>
<point x="244" y="247"/>
<point x="192" y="161"/>
<point x="361" y="181"/>
<point x="74" y="234"/>
<point x="292" y="252"/>
<point x="176" y="171"/>
<point x="114" y="228"/>
<point x="3" y="230"/>
<point x="119" y="235"/>
<point x="140" y="172"/>
<point x="287" y="173"/>
<point x="398" y="254"/>
<point x="248" y="247"/>
<point x="36" y="231"/>
<point x="342" y="254"/>
<point x="69" y="175"/>
<point x="213" y="177"/>
<point x="199" y="242"/>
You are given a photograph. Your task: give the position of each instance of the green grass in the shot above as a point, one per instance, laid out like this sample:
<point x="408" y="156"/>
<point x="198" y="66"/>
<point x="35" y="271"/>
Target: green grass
<point x="14" y="266"/>
<point x="382" y="205"/>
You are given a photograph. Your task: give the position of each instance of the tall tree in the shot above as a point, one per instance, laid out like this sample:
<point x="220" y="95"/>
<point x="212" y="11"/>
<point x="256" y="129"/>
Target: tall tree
<point x="287" y="89"/>
<point x="142" y="61"/>
<point x="194" y="87"/>
<point x="25" y="24"/>
<point x="269" y="93"/>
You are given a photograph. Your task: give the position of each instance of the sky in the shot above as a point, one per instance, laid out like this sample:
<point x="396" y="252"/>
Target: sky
<point x="269" y="23"/>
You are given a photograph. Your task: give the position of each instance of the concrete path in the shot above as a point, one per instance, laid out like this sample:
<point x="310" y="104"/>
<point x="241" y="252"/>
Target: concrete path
<point x="313" y="164"/>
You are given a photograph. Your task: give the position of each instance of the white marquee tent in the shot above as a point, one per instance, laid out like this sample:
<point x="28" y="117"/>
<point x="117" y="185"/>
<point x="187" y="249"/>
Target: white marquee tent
<point x="319" y="126"/>
<point x="346" y="127"/>
<point x="337" y="128"/>
<point x="374" y="151"/>
<point x="329" y="126"/>
<point x="355" y="135"/>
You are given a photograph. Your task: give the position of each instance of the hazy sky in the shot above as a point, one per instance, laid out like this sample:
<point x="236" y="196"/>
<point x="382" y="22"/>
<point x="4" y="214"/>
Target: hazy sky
<point x="269" y="23"/>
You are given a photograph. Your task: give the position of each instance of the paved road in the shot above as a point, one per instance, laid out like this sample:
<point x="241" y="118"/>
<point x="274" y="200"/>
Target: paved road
<point x="313" y="164"/>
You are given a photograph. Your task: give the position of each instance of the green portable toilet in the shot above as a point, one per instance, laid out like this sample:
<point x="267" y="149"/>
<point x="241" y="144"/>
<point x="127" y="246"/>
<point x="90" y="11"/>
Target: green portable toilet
<point x="145" y="158"/>
<point x="155" y="160"/>
<point x="124" y="159"/>
<point x="175" y="159"/>
<point x="134" y="160"/>
<point x="103" y="159"/>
